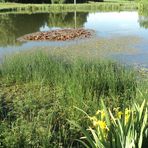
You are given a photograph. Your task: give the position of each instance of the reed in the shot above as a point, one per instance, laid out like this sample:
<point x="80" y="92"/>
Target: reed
<point x="39" y="93"/>
<point x="90" y="79"/>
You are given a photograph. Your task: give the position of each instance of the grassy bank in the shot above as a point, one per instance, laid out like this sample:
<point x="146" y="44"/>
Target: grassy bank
<point x="103" y="78"/>
<point x="39" y="92"/>
<point x="32" y="8"/>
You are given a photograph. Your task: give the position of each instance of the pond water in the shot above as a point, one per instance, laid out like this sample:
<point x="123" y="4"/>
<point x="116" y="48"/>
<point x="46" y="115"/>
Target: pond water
<point x="129" y="28"/>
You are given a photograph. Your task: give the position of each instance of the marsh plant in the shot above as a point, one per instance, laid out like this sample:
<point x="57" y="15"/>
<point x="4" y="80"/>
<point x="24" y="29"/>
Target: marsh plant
<point x="116" y="128"/>
<point x="80" y="78"/>
<point x="38" y="93"/>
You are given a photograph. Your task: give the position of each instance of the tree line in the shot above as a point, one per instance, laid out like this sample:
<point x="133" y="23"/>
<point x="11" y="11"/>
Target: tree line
<point x="49" y="1"/>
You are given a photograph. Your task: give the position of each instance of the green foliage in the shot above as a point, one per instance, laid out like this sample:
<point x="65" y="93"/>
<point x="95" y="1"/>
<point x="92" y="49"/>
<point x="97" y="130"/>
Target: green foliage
<point x="86" y="79"/>
<point x="125" y="128"/>
<point x="143" y="14"/>
<point x="64" y="1"/>
<point x="34" y="115"/>
<point x="57" y="1"/>
<point x="86" y="7"/>
<point x="38" y="93"/>
<point x="45" y="1"/>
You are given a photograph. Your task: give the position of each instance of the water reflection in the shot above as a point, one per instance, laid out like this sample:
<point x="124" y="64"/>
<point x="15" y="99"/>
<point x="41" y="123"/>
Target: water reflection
<point x="106" y="24"/>
<point x="13" y="26"/>
<point x="143" y="18"/>
<point x="143" y="21"/>
<point x="69" y="20"/>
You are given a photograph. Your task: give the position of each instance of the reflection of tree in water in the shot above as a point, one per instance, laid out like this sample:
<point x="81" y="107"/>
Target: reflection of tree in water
<point x="143" y="18"/>
<point x="6" y="30"/>
<point x="143" y="21"/>
<point x="64" y="20"/>
<point x="13" y="26"/>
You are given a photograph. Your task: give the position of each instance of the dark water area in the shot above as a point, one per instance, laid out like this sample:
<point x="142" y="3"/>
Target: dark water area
<point x="106" y="24"/>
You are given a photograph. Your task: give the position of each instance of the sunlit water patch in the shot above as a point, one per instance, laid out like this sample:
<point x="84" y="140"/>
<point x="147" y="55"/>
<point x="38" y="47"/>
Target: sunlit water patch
<point x="108" y="24"/>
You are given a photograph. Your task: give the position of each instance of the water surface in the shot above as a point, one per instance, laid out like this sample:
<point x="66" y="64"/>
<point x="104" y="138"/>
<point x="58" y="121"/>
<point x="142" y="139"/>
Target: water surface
<point x="114" y="30"/>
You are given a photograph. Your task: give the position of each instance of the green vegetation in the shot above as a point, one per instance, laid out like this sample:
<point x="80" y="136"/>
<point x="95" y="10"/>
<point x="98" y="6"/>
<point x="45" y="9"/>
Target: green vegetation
<point x="143" y="15"/>
<point x="32" y="8"/>
<point x="117" y="128"/>
<point x="46" y="1"/>
<point x="58" y="71"/>
<point x="39" y="92"/>
<point x="62" y="1"/>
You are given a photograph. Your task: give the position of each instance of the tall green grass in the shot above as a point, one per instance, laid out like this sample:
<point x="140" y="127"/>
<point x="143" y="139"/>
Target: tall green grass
<point x="81" y="78"/>
<point x="39" y="93"/>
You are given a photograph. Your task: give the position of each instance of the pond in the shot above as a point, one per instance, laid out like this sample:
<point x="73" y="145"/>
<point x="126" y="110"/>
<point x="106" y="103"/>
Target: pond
<point x="119" y="35"/>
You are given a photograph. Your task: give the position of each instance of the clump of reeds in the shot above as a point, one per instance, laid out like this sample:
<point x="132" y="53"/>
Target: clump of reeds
<point x="39" y="92"/>
<point x="89" y="79"/>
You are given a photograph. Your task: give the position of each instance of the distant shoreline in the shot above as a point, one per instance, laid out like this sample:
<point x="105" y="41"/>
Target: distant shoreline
<point x="36" y="8"/>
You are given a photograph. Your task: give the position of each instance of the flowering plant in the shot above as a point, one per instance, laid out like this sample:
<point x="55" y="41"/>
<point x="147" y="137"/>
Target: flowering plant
<point x="117" y="128"/>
